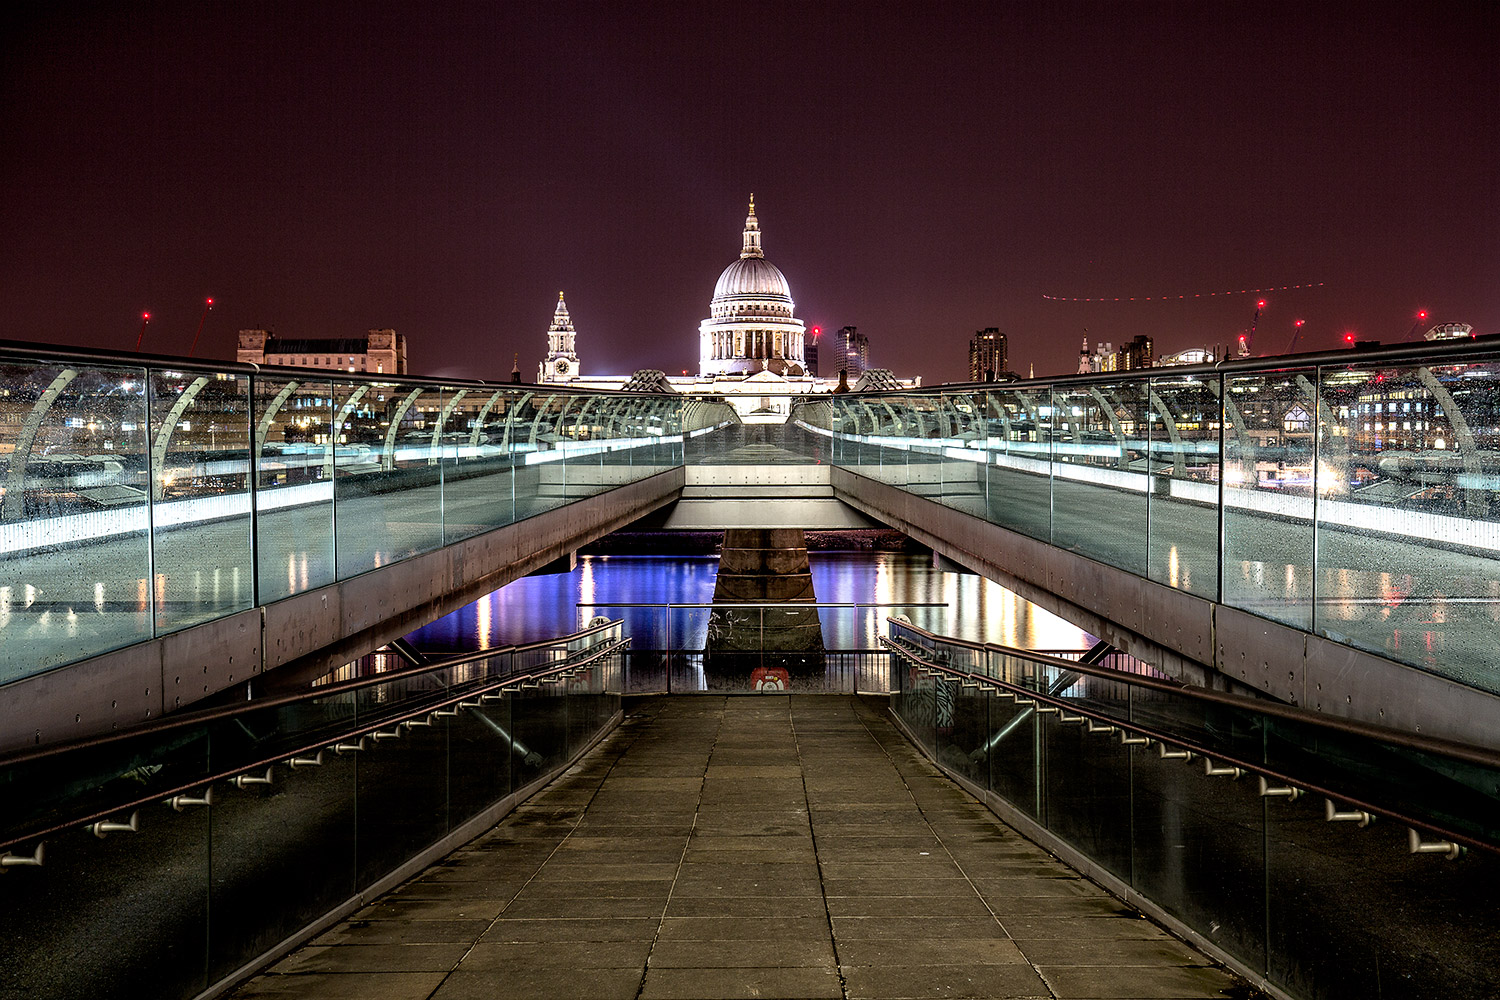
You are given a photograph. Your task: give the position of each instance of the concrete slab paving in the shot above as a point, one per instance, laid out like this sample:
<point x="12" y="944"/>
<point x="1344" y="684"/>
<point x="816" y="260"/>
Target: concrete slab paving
<point x="725" y="847"/>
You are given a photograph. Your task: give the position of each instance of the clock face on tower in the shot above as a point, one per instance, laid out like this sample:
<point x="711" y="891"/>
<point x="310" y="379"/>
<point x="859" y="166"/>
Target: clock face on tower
<point x="562" y="366"/>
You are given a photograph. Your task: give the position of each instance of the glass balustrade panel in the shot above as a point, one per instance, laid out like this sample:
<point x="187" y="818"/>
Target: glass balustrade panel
<point x="1018" y="474"/>
<point x="294" y="451"/>
<point x="1183" y="445"/>
<point x="201" y="566"/>
<point x="1268" y="494"/>
<point x="74" y="517"/>
<point x="387" y="483"/>
<point x="1099" y="472"/>
<point x="1408" y="534"/>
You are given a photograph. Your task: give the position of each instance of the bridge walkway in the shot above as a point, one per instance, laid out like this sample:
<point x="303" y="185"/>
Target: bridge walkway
<point x="771" y="846"/>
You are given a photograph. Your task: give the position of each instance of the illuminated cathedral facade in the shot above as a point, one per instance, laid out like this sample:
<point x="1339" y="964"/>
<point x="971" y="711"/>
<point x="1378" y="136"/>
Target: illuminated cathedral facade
<point x="750" y="348"/>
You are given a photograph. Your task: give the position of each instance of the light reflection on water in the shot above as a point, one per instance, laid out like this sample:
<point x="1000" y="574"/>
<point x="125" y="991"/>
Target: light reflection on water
<point x="543" y="607"/>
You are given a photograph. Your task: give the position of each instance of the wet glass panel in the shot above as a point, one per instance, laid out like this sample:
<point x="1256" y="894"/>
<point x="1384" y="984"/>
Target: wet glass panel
<point x="1268" y="494"/>
<point x="476" y="469"/>
<point x="1184" y="471"/>
<point x="1012" y="752"/>
<point x="402" y="784"/>
<point x="294" y="485"/>
<point x="539" y="734"/>
<point x="1199" y="849"/>
<point x="961" y="743"/>
<point x="1086" y="790"/>
<point x="102" y="917"/>
<point x="1100" y="482"/>
<point x="283" y="854"/>
<point x="1408" y="534"/>
<point x="74" y="523"/>
<point x="481" y="757"/>
<point x="1352" y="911"/>
<point x="200" y="516"/>
<point x="1018" y="483"/>
<point x="387" y="482"/>
<point x="963" y="454"/>
<point x="917" y="702"/>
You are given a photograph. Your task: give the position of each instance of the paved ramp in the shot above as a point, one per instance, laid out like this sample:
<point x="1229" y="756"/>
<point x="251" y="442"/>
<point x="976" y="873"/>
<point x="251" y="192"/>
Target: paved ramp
<point x="748" y="847"/>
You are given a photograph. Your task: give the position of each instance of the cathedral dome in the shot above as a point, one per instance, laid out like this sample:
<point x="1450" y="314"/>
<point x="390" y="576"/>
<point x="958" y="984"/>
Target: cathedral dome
<point x="751" y="326"/>
<point x="752" y="276"/>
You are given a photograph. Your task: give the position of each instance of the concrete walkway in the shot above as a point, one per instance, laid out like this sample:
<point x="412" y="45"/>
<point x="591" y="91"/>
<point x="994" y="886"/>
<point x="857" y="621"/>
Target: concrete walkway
<point x="774" y="846"/>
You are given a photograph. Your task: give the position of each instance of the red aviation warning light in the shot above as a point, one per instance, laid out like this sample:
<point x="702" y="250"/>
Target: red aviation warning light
<point x="1261" y="304"/>
<point x="817" y="331"/>
<point x="1349" y="338"/>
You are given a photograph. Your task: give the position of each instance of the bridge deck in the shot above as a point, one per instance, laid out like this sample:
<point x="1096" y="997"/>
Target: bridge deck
<point x="765" y="846"/>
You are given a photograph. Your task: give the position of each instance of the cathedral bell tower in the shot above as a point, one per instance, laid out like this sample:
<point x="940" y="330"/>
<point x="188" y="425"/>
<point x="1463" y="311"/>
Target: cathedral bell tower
<point x="562" y="358"/>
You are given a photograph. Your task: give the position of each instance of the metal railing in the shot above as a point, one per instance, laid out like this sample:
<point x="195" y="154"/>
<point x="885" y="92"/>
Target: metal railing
<point x="140" y="496"/>
<point x="1305" y="850"/>
<point x="186" y="853"/>
<point x="1350" y="495"/>
<point x="740" y="647"/>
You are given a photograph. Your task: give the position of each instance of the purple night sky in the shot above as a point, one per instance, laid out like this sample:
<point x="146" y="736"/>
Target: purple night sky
<point x="919" y="171"/>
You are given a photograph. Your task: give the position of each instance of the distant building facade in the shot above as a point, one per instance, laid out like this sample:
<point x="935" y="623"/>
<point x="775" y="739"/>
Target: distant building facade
<point x="848" y="352"/>
<point x="753" y="351"/>
<point x="561" y="363"/>
<point x="379" y="352"/>
<point x="1450" y="331"/>
<point x="989" y="356"/>
<point x="1139" y="353"/>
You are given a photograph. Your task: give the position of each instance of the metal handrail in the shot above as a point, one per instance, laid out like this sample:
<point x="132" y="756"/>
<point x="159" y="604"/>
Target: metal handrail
<point x="177" y="720"/>
<point x="324" y="741"/>
<point x="1446" y="352"/>
<point x="1469" y="752"/>
<point x="1151" y="734"/>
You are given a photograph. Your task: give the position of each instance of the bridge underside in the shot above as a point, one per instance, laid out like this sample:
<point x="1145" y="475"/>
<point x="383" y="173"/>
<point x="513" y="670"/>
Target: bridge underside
<point x="716" y="497"/>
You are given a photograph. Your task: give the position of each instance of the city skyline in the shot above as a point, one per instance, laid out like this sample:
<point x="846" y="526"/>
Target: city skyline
<point x="927" y="172"/>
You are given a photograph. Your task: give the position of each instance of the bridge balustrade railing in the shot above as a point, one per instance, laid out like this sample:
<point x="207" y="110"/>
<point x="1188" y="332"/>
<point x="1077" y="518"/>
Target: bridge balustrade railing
<point x="732" y="648"/>
<point x="1348" y="495"/>
<point x="176" y="854"/>
<point x="141" y="496"/>
<point x="1324" y="857"/>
